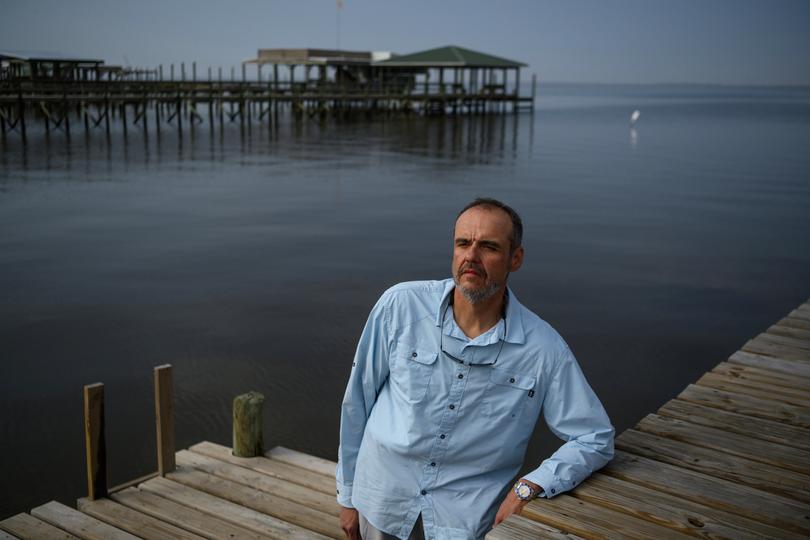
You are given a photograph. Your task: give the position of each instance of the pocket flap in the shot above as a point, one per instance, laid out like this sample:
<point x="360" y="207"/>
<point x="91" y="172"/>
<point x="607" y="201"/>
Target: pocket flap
<point x="510" y="378"/>
<point x="422" y="356"/>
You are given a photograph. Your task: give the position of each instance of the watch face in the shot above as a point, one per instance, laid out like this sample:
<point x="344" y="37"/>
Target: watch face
<point x="524" y="491"/>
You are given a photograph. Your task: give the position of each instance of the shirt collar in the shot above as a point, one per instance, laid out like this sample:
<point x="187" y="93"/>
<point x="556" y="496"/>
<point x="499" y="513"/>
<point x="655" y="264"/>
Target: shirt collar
<point x="514" y="319"/>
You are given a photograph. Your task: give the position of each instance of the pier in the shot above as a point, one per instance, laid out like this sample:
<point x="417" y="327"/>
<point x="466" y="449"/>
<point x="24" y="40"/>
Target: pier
<point x="66" y="96"/>
<point x="729" y="457"/>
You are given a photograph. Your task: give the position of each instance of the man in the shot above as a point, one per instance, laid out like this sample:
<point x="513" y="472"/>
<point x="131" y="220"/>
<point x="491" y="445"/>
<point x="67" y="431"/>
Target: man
<point x="447" y="384"/>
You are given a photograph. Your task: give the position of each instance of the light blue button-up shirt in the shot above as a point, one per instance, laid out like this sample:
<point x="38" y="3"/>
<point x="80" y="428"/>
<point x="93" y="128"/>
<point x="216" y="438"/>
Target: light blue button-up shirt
<point x="423" y="433"/>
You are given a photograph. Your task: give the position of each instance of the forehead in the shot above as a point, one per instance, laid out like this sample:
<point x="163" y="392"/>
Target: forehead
<point x="482" y="221"/>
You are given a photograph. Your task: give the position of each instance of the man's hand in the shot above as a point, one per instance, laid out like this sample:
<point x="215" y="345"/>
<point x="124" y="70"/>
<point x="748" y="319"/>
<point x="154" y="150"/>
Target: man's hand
<point x="512" y="505"/>
<point x="350" y="523"/>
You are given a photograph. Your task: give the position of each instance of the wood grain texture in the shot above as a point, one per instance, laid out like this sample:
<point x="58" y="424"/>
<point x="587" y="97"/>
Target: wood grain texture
<point x="79" y="524"/>
<point x="762" y="390"/>
<point x="758" y="428"/>
<point x="267" y="503"/>
<point x="28" y="527"/>
<point x="262" y="482"/>
<point x="724" y="441"/>
<point x="754" y="375"/>
<point x="674" y="512"/>
<point x="790" y="367"/>
<point x="522" y="528"/>
<point x="240" y="515"/>
<point x="185" y="517"/>
<point x="271" y="467"/>
<point x="304" y="461"/>
<point x="747" y="405"/>
<point x="718" y="464"/>
<point x="95" y="444"/>
<point x="132" y="521"/>
<point x="711" y="491"/>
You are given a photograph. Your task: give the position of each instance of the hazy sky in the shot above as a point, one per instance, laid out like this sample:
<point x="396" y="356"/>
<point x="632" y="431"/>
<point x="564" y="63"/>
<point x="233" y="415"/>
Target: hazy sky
<point x="636" y="41"/>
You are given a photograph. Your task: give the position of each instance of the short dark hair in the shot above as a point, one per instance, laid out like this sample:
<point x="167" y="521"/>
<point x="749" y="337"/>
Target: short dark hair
<point x="517" y="223"/>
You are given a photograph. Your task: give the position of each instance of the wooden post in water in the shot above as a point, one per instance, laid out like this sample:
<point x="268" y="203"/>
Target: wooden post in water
<point x="247" y="425"/>
<point x="94" y="441"/>
<point x="164" y="419"/>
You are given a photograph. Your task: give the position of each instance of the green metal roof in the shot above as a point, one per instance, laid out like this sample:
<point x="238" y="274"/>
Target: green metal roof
<point x="450" y="56"/>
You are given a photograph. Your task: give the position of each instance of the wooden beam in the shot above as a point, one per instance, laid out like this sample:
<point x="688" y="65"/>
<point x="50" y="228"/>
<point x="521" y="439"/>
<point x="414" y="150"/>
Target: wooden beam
<point x="247" y="425"/>
<point x="94" y="441"/>
<point x="164" y="419"/>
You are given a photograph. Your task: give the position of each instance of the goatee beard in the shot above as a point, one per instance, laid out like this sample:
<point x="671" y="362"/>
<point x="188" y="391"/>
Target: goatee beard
<point x="475" y="296"/>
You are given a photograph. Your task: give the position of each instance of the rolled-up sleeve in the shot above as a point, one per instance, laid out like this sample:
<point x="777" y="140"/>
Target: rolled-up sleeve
<point x="573" y="413"/>
<point x="370" y="370"/>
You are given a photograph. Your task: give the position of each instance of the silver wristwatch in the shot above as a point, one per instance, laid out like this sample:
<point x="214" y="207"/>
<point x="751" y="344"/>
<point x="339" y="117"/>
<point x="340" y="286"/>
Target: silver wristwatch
<point x="524" y="491"/>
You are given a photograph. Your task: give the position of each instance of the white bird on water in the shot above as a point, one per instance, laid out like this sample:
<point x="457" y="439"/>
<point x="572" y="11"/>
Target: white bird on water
<point x="634" y="117"/>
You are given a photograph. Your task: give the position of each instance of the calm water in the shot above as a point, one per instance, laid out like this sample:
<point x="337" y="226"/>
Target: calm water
<point x="250" y="263"/>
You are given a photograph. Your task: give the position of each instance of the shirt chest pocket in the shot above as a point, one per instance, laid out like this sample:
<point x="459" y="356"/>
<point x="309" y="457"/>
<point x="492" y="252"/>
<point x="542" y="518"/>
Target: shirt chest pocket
<point x="507" y="393"/>
<point x="411" y="371"/>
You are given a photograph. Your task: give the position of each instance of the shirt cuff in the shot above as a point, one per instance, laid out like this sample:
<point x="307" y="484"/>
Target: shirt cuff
<point x="551" y="485"/>
<point x="344" y="495"/>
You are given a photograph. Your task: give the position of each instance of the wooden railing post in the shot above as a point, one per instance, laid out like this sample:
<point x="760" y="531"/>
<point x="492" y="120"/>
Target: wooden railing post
<point x="94" y="441"/>
<point x="164" y="419"/>
<point x="247" y="425"/>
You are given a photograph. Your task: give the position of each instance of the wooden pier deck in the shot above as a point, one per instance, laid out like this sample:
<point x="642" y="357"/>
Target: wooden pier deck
<point x="727" y="458"/>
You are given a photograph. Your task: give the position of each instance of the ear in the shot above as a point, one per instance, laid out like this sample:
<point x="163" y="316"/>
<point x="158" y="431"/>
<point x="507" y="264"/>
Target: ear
<point x="517" y="259"/>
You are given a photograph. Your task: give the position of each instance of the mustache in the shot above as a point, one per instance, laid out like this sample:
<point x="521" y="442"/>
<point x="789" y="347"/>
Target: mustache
<point x="472" y="266"/>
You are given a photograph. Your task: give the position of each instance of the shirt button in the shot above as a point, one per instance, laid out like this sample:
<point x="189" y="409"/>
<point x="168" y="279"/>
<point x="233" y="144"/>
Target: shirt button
<point x="423" y="492"/>
<point x="460" y="376"/>
<point x="413" y="354"/>
<point x="452" y="407"/>
<point x="441" y="436"/>
<point x="338" y="492"/>
<point x="553" y="490"/>
<point x="512" y="380"/>
<point x="432" y="463"/>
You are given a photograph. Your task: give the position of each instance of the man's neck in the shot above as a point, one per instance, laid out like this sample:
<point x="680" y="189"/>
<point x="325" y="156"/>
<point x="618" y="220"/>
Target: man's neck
<point x="475" y="319"/>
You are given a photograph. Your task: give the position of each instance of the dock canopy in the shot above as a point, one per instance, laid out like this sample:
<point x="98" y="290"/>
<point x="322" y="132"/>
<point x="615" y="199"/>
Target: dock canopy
<point x="310" y="57"/>
<point x="450" y="56"/>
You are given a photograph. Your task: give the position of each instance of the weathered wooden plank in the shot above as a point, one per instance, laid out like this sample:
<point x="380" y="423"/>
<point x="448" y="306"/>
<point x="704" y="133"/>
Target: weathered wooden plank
<point x="262" y="482"/>
<point x="788" y="331"/>
<point x="164" y="419"/>
<point x="767" y="430"/>
<point x="791" y="367"/>
<point x="795" y="323"/>
<point x="754" y="375"/>
<point x="248" y="438"/>
<point x="592" y="521"/>
<point x="674" y="512"/>
<point x="787" y="341"/>
<point x="28" y="527"/>
<point x="712" y="492"/>
<point x="761" y="390"/>
<point x="270" y="467"/>
<point x="522" y="528"/>
<point x="302" y="460"/>
<point x="245" y="517"/>
<point x="721" y="465"/>
<point x="6" y="536"/>
<point x="801" y="314"/>
<point x="95" y="444"/>
<point x="747" y="405"/>
<point x="729" y="443"/>
<point x="181" y="516"/>
<point x="270" y="504"/>
<point x="79" y="524"/>
<point x="776" y="351"/>
<point x="137" y="523"/>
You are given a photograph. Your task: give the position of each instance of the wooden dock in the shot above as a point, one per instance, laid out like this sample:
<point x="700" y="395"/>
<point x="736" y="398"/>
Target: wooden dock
<point x="727" y="458"/>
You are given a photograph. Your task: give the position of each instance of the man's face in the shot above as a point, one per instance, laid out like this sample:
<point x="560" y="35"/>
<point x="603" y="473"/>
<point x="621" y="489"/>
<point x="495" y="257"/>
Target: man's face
<point x="481" y="252"/>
